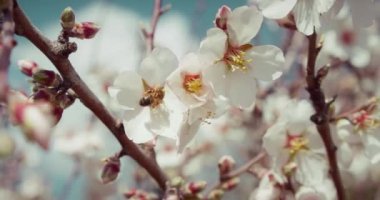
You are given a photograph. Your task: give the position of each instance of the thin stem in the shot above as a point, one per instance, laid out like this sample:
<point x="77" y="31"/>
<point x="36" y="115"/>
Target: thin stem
<point x="244" y="168"/>
<point x="67" y="71"/>
<point x="321" y="117"/>
<point x="158" y="10"/>
<point x="237" y="172"/>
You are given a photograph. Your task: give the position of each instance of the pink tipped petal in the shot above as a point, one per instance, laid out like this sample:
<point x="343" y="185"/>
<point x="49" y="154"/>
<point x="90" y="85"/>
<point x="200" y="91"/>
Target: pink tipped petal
<point x="276" y="9"/>
<point x="243" y="24"/>
<point x="241" y="89"/>
<point x="267" y="61"/>
<point x="157" y="66"/>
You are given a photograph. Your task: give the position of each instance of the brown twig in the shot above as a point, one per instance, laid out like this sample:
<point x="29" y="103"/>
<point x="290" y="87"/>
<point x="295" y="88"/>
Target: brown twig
<point x="244" y="168"/>
<point x="158" y="10"/>
<point x="7" y="43"/>
<point x="64" y="66"/>
<point x="237" y="172"/>
<point x="321" y="117"/>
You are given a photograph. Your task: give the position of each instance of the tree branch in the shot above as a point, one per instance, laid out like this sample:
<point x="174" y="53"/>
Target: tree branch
<point x="158" y="10"/>
<point x="67" y="71"/>
<point x="321" y="117"/>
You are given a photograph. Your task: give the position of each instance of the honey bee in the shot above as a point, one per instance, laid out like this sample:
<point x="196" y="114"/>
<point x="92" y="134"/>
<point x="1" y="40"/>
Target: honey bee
<point x="146" y="101"/>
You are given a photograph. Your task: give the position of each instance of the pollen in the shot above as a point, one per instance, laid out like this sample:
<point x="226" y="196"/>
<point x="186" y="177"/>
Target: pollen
<point x="364" y="121"/>
<point x="295" y="144"/>
<point x="192" y="83"/>
<point x="235" y="58"/>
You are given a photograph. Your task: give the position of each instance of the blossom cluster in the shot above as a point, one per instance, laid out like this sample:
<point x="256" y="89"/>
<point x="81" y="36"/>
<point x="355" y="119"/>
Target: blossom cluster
<point x="224" y="71"/>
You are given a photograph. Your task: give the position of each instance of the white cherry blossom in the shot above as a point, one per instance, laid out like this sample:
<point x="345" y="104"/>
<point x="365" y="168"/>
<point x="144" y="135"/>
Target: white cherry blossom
<point x="236" y="64"/>
<point x="295" y="146"/>
<point x="143" y="96"/>
<point x="363" y="129"/>
<point x="306" y="13"/>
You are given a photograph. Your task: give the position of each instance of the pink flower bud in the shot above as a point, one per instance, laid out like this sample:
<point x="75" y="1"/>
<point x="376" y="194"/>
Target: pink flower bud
<point x="35" y="119"/>
<point x="65" y="100"/>
<point x="221" y="17"/>
<point x="84" y="30"/>
<point x="47" y="78"/>
<point x="231" y="184"/>
<point x="27" y="67"/>
<point x="43" y="94"/>
<point x="195" y="187"/>
<point x="111" y="169"/>
<point x="226" y="164"/>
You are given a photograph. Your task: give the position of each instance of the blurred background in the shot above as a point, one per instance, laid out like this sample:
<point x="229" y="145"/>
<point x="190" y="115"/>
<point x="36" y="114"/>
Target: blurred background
<point x="70" y="169"/>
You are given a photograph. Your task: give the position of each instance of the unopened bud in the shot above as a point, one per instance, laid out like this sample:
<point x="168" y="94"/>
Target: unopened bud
<point x="176" y="182"/>
<point x="35" y="120"/>
<point x="226" y="164"/>
<point x="47" y="78"/>
<point x="111" y="169"/>
<point x="231" y="184"/>
<point x="68" y="18"/>
<point x="84" y="30"/>
<point x="221" y="17"/>
<point x="65" y="100"/>
<point x="195" y="187"/>
<point x="27" y="67"/>
<point x="57" y="114"/>
<point x="43" y="94"/>
<point x="216" y="194"/>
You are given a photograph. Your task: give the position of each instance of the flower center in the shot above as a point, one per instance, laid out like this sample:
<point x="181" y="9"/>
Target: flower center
<point x="295" y="144"/>
<point x="364" y="121"/>
<point x="235" y="58"/>
<point x="153" y="96"/>
<point x="348" y="37"/>
<point x="192" y="83"/>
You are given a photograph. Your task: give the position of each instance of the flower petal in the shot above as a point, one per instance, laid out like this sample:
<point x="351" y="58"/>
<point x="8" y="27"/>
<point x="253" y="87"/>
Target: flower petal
<point x="276" y="9"/>
<point x="240" y="89"/>
<point x="243" y="24"/>
<point x="157" y="66"/>
<point x="186" y="134"/>
<point x="312" y="169"/>
<point x="159" y="120"/>
<point x="216" y="74"/>
<point x="306" y="17"/>
<point x="136" y="129"/>
<point x="214" y="45"/>
<point x="267" y="61"/>
<point x="274" y="139"/>
<point x="130" y="89"/>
